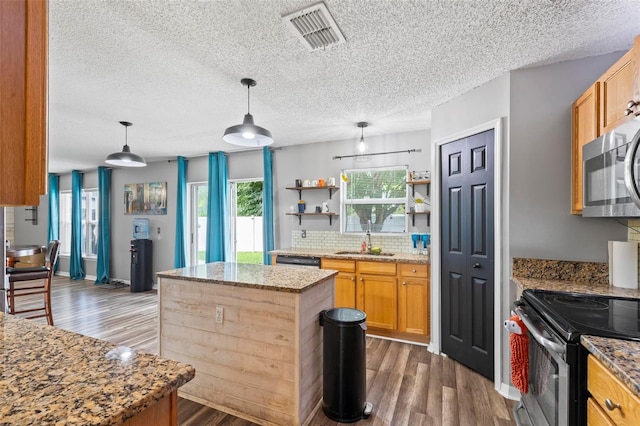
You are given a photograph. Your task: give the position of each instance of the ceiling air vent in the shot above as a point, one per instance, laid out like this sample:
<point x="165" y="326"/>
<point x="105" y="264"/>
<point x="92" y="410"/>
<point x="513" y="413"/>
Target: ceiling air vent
<point x="315" y="27"/>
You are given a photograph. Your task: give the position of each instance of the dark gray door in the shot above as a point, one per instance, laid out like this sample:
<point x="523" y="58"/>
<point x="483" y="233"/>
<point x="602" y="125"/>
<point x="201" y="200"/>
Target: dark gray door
<point x="467" y="281"/>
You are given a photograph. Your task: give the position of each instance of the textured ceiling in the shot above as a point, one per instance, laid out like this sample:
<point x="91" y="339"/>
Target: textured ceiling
<point x="173" y="68"/>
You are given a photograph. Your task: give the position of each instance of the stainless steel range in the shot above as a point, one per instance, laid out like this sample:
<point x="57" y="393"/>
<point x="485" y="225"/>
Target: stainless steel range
<point x="557" y="361"/>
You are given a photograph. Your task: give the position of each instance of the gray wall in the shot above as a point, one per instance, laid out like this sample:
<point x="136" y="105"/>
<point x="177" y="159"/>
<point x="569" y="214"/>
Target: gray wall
<point x="310" y="161"/>
<point x="536" y="106"/>
<point x="316" y="161"/>
<point x="542" y="225"/>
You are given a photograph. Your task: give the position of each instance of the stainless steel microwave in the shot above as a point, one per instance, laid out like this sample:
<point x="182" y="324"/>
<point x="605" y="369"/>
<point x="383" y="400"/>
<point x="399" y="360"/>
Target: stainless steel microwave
<point x="611" y="173"/>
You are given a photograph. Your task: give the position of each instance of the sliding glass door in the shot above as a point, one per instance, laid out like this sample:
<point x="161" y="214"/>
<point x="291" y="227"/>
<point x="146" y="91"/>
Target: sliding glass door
<point x="246" y="220"/>
<point x="197" y="214"/>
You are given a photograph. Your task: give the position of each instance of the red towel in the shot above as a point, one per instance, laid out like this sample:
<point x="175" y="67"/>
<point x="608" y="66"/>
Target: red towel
<point x="519" y="344"/>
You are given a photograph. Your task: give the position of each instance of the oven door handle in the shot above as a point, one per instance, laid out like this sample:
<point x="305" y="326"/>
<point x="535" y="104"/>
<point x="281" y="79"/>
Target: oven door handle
<point x="558" y="348"/>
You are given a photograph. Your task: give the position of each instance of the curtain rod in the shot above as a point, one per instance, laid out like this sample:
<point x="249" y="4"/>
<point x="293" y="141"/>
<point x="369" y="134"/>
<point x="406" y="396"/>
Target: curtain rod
<point x="408" y="151"/>
<point x="277" y="148"/>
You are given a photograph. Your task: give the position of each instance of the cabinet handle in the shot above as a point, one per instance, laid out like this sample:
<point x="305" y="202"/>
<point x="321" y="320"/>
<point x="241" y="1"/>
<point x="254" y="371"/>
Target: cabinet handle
<point x="404" y="283"/>
<point x="414" y="271"/>
<point x="361" y="279"/>
<point x="611" y="405"/>
<point x="353" y="278"/>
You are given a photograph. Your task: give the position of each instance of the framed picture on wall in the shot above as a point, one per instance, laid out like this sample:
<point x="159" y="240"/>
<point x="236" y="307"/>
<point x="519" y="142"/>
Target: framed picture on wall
<point x="145" y="198"/>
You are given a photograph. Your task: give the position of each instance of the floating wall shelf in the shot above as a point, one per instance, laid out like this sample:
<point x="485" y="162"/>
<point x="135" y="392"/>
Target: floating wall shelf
<point x="331" y="215"/>
<point x="304" y="188"/>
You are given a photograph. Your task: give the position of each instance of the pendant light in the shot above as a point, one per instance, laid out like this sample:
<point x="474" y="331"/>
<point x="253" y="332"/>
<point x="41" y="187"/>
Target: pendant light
<point x="362" y="151"/>
<point x="247" y="133"/>
<point x="126" y="158"/>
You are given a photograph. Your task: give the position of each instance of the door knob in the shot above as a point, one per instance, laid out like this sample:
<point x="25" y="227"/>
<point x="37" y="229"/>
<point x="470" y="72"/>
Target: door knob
<point x="476" y="265"/>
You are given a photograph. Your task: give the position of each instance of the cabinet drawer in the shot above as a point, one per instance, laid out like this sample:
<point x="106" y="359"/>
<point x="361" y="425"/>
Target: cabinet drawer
<point x="595" y="415"/>
<point x="378" y="268"/>
<point x="339" y="265"/>
<point x="414" y="270"/>
<point x="603" y="385"/>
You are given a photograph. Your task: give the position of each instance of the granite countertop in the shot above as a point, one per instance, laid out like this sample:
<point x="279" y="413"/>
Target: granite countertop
<point x="573" y="286"/>
<point x="331" y="253"/>
<point x="293" y="279"/>
<point x="621" y="357"/>
<point x="52" y="376"/>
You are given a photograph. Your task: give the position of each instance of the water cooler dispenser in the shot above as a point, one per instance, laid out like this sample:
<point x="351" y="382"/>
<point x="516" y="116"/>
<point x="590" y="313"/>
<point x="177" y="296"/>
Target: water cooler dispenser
<point x="141" y="256"/>
<point x="141" y="271"/>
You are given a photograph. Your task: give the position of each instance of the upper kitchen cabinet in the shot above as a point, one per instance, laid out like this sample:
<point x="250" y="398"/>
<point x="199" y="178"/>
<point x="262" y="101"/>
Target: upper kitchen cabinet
<point x="616" y="91"/>
<point x="584" y="116"/>
<point x="23" y="100"/>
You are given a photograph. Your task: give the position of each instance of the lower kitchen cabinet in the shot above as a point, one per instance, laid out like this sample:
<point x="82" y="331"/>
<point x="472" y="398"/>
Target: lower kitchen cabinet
<point x="611" y="402"/>
<point x="413" y="300"/>
<point x="395" y="296"/>
<point x="345" y="286"/>
<point x="377" y="294"/>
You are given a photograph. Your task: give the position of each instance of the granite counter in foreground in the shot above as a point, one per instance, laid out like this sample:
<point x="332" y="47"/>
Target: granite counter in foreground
<point x="276" y="278"/>
<point x="51" y="376"/>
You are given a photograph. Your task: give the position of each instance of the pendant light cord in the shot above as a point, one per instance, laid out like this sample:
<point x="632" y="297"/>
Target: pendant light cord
<point x="126" y="139"/>
<point x="248" y="99"/>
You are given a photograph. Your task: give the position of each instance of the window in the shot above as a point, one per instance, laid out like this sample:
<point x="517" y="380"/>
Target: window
<point x="377" y="196"/>
<point x="89" y="222"/>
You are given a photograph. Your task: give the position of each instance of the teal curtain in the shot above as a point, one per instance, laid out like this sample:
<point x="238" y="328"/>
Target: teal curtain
<point x="217" y="216"/>
<point x="76" y="265"/>
<point x="54" y="211"/>
<point x="180" y="254"/>
<point x="104" y="225"/>
<point x="267" y="206"/>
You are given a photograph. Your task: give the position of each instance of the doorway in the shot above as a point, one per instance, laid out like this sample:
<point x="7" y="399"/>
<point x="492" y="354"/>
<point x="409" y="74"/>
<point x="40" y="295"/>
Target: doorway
<point x="467" y="251"/>
<point x="246" y="220"/>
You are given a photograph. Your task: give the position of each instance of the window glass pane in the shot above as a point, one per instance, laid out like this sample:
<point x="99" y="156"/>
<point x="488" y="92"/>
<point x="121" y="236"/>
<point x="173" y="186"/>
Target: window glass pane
<point x="375" y="196"/>
<point x="89" y="204"/>
<point x="65" y="222"/>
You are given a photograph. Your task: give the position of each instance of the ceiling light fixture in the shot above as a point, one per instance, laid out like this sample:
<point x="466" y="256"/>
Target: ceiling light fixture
<point x="247" y="133"/>
<point x="362" y="153"/>
<point x="126" y="158"/>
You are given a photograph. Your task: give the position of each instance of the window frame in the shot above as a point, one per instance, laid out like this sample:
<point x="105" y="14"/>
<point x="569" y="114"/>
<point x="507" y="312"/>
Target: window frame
<point x="345" y="202"/>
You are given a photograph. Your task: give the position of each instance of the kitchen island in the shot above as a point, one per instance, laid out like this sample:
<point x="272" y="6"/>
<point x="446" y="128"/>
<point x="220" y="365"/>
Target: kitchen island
<point x="51" y="376"/>
<point x="253" y="334"/>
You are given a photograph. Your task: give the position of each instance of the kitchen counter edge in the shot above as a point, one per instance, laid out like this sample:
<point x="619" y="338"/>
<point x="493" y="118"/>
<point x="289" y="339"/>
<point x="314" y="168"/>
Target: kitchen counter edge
<point x="331" y="254"/>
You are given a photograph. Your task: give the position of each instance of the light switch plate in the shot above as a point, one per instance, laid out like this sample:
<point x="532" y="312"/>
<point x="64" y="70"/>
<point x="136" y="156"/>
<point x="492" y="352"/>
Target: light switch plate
<point x="304" y="233"/>
<point x="219" y="314"/>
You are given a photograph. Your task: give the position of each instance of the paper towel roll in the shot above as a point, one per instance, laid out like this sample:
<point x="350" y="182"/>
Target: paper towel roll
<point x="623" y="264"/>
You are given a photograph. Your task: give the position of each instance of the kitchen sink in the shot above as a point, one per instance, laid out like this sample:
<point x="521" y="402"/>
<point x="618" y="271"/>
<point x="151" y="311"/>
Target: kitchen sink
<point x="363" y="254"/>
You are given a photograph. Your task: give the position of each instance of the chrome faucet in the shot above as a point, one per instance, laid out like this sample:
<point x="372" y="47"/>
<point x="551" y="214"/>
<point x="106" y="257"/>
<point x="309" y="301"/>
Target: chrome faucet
<point x="369" y="236"/>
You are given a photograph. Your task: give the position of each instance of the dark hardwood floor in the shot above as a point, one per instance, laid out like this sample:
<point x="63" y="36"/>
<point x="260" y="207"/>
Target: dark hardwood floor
<point x="406" y="384"/>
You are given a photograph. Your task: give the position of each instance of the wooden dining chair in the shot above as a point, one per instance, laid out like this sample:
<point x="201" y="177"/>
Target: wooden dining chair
<point x="16" y="277"/>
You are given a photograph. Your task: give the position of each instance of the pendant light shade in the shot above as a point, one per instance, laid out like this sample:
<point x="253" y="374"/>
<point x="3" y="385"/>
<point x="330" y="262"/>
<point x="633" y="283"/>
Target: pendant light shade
<point x="247" y="133"/>
<point x="125" y="158"/>
<point x="362" y="151"/>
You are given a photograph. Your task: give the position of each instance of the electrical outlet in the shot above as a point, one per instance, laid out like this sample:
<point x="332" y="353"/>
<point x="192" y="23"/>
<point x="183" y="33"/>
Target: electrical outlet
<point x="219" y="314"/>
<point x="304" y="233"/>
<point x="158" y="229"/>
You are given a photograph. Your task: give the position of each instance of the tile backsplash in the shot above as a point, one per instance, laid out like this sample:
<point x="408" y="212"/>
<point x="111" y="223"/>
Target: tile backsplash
<point x="329" y="240"/>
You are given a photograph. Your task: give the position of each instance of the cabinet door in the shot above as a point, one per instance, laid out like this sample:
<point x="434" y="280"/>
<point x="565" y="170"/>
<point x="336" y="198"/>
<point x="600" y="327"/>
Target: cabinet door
<point x="413" y="298"/>
<point x="616" y="90"/>
<point x="23" y="101"/>
<point x="413" y="306"/>
<point x="345" y="290"/>
<point x="377" y="297"/>
<point x="584" y="123"/>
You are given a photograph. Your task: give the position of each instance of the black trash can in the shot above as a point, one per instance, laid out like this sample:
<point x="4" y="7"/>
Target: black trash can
<point x="344" y="377"/>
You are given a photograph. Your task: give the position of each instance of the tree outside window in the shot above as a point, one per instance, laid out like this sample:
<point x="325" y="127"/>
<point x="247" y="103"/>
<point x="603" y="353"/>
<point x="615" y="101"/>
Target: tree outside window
<point x="374" y="196"/>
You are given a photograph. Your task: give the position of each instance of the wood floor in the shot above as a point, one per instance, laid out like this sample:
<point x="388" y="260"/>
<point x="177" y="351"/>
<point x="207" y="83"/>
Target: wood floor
<point x="406" y="384"/>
